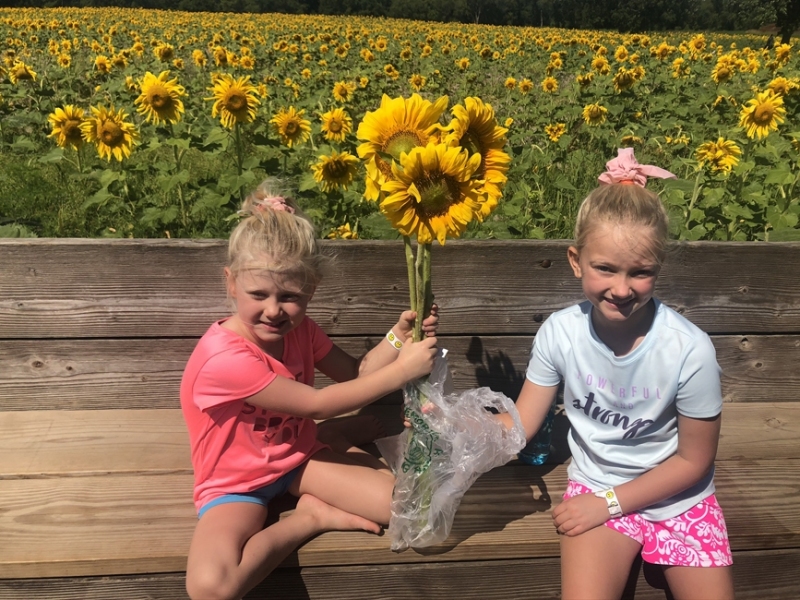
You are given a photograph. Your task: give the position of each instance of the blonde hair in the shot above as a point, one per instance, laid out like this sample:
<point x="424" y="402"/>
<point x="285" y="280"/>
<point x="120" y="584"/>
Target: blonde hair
<point x="274" y="235"/>
<point x="623" y="203"/>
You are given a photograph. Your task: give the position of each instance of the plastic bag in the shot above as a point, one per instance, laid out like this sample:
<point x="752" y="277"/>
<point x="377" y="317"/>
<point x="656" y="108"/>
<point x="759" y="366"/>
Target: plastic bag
<point x="453" y="440"/>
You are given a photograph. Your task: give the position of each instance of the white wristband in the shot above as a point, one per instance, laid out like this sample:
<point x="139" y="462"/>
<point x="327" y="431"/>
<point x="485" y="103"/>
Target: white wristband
<point x="394" y="340"/>
<point x="610" y="496"/>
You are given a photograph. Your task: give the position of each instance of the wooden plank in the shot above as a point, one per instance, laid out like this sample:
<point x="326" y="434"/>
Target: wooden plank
<point x="140" y="524"/>
<point x="146" y="373"/>
<point x="154" y="288"/>
<point x="474" y="580"/>
<point x="53" y="444"/>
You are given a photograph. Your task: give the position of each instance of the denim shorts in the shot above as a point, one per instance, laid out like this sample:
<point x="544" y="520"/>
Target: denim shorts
<point x="260" y="496"/>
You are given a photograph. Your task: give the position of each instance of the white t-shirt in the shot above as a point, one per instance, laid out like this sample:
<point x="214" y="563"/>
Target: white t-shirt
<point x="623" y="410"/>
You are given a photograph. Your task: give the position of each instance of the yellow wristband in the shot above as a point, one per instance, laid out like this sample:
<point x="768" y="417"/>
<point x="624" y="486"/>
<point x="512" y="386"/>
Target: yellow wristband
<point x="394" y="340"/>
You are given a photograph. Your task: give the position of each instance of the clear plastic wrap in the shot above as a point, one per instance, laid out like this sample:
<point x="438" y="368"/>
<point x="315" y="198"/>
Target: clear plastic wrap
<point x="453" y="439"/>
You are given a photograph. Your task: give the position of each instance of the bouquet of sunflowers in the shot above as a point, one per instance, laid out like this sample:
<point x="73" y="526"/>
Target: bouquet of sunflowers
<point x="431" y="181"/>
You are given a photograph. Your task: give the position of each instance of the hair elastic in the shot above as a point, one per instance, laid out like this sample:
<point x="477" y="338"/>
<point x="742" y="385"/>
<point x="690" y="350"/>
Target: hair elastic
<point x="276" y="203"/>
<point x="626" y="169"/>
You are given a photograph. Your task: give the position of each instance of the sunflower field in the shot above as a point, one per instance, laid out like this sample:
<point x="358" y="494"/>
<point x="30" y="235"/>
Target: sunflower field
<point x="135" y="123"/>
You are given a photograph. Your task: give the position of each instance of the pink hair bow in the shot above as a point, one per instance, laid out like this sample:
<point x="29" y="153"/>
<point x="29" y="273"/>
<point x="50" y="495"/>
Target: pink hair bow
<point x="626" y="169"/>
<point x="276" y="203"/>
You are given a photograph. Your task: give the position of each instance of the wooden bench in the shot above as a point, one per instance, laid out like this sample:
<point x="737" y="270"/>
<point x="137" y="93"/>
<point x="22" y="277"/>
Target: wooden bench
<point x="95" y="476"/>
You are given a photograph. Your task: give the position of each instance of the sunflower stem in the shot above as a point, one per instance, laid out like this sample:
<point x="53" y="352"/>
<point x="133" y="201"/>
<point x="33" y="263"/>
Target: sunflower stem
<point x="178" y="157"/>
<point x="412" y="276"/>
<point x="237" y="138"/>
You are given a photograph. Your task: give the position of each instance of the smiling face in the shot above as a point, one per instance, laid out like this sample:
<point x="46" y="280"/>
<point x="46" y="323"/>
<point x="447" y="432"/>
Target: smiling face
<point x="268" y="306"/>
<point x="618" y="269"/>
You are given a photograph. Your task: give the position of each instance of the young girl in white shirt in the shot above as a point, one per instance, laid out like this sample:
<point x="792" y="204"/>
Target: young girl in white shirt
<point x="642" y="394"/>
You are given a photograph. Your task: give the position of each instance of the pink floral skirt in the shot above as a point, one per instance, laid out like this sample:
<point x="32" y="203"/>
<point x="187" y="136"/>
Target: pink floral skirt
<point x="696" y="538"/>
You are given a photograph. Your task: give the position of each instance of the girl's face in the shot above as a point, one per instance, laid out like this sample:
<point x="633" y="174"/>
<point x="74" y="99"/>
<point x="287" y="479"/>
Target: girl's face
<point x="268" y="305"/>
<point x="618" y="269"/>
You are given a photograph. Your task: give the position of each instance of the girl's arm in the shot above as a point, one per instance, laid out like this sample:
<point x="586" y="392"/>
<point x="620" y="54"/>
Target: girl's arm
<point x="291" y="397"/>
<point x="533" y="404"/>
<point x="697" y="448"/>
<point x="340" y="366"/>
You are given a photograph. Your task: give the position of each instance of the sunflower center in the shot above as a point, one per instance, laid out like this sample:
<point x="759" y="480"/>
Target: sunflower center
<point x="335" y="126"/>
<point x="437" y="194"/>
<point x="159" y="100"/>
<point x="111" y="134"/>
<point x="763" y="114"/>
<point x="402" y="141"/>
<point x="235" y="102"/>
<point x="72" y="129"/>
<point x="290" y="128"/>
<point x="336" y="169"/>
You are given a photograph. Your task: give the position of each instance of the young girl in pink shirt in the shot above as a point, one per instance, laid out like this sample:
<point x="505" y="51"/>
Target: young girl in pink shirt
<point x="250" y="405"/>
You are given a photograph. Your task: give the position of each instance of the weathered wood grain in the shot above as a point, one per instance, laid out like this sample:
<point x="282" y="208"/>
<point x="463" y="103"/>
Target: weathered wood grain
<point x="142" y="524"/>
<point x="474" y="580"/>
<point x="145" y="373"/>
<point x="56" y="444"/>
<point x="157" y="288"/>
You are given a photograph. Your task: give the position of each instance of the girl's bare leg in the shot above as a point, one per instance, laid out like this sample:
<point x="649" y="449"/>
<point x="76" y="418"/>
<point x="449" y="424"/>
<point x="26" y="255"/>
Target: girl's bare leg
<point x="700" y="583"/>
<point x="345" y="434"/>
<point x="231" y="553"/>
<point x="595" y="565"/>
<point x="344" y="482"/>
<point x="356" y="429"/>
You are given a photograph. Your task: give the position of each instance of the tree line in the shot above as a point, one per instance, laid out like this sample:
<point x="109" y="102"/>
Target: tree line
<point x="622" y="15"/>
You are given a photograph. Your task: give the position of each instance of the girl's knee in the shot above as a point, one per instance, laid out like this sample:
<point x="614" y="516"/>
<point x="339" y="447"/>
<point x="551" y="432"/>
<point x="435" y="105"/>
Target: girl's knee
<point x="212" y="582"/>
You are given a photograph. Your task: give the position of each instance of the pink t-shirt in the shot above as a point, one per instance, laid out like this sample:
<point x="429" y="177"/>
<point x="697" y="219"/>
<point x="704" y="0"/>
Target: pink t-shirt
<point x="238" y="447"/>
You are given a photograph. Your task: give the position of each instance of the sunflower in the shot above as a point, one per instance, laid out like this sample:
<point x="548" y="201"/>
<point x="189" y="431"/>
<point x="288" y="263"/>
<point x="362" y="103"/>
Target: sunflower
<point x="160" y="98"/>
<point x="102" y="64"/>
<point x="462" y="63"/>
<point x="600" y="64"/>
<point x="417" y="82"/>
<point x="432" y="194"/>
<point x="64" y="60"/>
<point x="782" y="86"/>
<point x="621" y="55"/>
<point x="110" y="132"/>
<point x="525" y="86"/>
<point x="335" y="171"/>
<point x="554" y="132"/>
<point x="235" y="100"/>
<point x="624" y="79"/>
<point x="510" y="83"/>
<point x="722" y="72"/>
<point x="336" y="124"/>
<point x="291" y="126"/>
<point x="19" y="71"/>
<point x="164" y="52"/>
<point x="66" y="124"/>
<point x="721" y="155"/>
<point x="594" y="114"/>
<point x="398" y="125"/>
<point x="762" y="114"/>
<point x="550" y="85"/>
<point x="199" y="58"/>
<point x="342" y="92"/>
<point x="475" y="128"/>
<point x="343" y="232"/>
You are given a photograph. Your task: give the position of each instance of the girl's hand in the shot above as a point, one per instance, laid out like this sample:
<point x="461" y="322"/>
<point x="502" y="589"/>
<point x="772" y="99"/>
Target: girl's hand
<point x="416" y="358"/>
<point x="579" y="514"/>
<point x="405" y="325"/>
